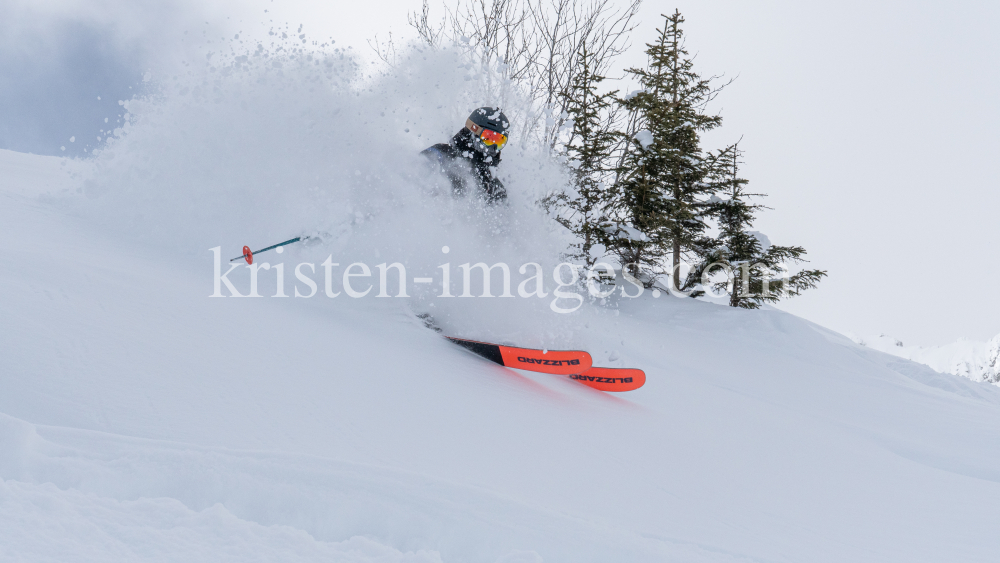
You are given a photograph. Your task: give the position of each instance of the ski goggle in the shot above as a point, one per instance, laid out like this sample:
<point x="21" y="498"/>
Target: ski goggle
<point x="491" y="137"/>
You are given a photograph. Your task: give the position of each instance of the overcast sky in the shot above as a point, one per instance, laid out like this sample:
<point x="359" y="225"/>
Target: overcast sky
<point x="872" y="126"/>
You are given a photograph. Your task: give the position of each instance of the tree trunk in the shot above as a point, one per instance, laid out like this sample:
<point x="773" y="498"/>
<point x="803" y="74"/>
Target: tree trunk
<point x="677" y="265"/>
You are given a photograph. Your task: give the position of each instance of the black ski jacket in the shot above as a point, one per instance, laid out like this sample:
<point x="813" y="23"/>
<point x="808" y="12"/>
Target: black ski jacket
<point x="462" y="164"/>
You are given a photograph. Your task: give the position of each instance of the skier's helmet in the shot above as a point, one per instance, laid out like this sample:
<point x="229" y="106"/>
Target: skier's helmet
<point x="490" y="131"/>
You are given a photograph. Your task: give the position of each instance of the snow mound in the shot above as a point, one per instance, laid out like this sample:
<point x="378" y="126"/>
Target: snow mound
<point x="52" y="524"/>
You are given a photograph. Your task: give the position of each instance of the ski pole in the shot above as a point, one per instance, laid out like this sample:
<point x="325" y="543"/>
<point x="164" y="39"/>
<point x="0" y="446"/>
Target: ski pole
<point x="248" y="255"/>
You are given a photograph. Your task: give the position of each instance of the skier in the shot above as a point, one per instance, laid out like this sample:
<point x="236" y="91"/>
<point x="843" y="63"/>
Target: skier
<point x="473" y="154"/>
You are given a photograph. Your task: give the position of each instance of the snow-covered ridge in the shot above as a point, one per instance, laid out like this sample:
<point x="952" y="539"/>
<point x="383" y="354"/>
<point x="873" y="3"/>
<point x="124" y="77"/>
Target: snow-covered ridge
<point x="978" y="361"/>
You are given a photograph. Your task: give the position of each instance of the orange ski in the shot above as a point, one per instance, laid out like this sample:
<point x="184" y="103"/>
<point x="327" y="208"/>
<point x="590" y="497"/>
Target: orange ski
<point x="556" y="362"/>
<point x="612" y="379"/>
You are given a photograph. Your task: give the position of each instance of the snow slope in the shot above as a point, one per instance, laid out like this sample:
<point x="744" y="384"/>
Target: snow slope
<point x="143" y="420"/>
<point x="978" y="361"/>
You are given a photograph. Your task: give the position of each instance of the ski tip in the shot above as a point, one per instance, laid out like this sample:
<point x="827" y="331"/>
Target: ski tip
<point x="489" y="351"/>
<point x="615" y="380"/>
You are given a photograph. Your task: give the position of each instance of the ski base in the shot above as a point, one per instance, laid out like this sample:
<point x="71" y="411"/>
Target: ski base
<point x="555" y="362"/>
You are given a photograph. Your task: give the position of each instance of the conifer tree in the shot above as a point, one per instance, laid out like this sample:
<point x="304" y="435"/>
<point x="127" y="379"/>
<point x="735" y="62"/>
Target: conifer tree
<point x="756" y="268"/>
<point x="661" y="186"/>
<point x="583" y="208"/>
<point x="640" y="236"/>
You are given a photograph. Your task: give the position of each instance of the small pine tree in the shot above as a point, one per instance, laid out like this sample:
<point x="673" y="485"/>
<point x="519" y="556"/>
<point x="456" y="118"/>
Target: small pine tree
<point x="756" y="267"/>
<point x="640" y="235"/>
<point x="662" y="185"/>
<point x="589" y="149"/>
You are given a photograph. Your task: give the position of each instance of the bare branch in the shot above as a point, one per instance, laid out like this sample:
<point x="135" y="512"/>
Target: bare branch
<point x="537" y="45"/>
<point x="385" y="51"/>
<point x="428" y="32"/>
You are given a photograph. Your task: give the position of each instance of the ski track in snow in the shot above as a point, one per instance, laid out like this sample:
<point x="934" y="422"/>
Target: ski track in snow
<point x="142" y="420"/>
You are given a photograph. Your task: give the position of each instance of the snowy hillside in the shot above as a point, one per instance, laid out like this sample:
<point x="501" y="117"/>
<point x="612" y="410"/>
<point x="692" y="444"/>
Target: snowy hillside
<point x="978" y="361"/>
<point x="141" y="419"/>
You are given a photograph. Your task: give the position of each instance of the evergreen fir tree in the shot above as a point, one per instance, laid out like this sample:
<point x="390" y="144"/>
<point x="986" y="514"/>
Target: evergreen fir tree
<point x="661" y="186"/>
<point x="755" y="266"/>
<point x="582" y="209"/>
<point x="640" y="235"/>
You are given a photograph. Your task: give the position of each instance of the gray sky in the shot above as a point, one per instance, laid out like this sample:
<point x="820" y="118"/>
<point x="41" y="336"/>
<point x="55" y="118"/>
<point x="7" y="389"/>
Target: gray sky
<point x="872" y="126"/>
<point x="57" y="57"/>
